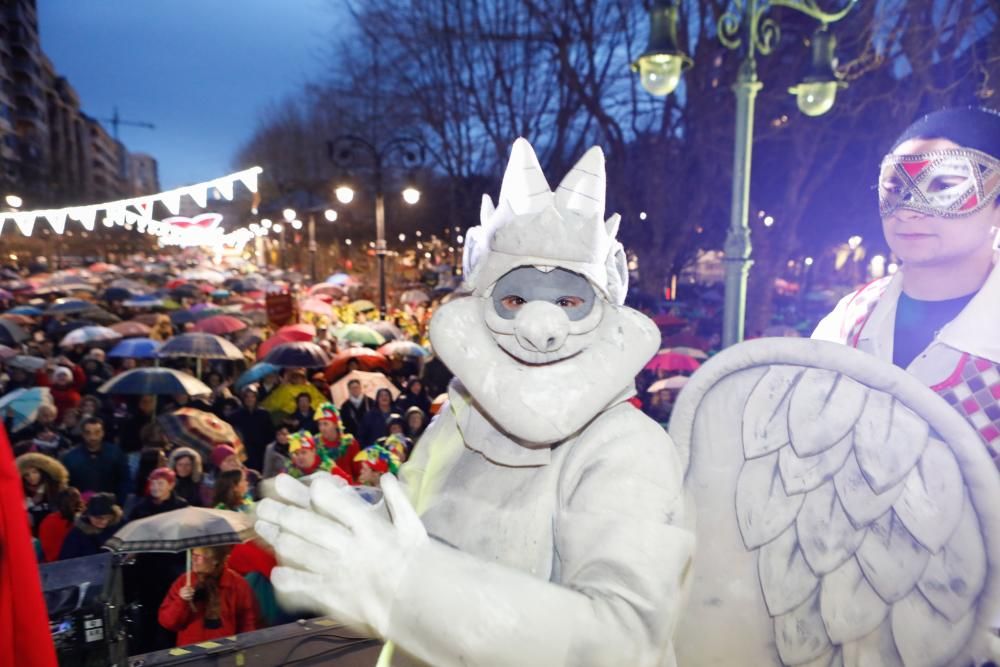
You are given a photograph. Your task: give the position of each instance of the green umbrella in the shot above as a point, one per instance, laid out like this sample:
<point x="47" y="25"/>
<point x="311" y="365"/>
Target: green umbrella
<point x="362" y="305"/>
<point x="360" y="334"/>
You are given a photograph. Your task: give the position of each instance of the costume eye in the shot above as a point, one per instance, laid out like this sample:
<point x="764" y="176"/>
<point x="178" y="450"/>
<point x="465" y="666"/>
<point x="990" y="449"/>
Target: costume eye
<point x="569" y="302"/>
<point x="512" y="302"/>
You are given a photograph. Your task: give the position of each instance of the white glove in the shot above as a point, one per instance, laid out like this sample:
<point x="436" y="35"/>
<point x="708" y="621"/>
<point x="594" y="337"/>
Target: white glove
<point x="341" y="556"/>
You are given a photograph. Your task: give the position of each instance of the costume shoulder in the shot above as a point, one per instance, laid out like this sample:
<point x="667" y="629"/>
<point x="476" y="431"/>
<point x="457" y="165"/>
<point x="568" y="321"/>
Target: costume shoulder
<point x="852" y="514"/>
<point x="836" y="326"/>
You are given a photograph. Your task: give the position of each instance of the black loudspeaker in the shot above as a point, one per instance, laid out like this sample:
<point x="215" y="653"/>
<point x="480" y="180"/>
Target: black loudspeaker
<point x="84" y="598"/>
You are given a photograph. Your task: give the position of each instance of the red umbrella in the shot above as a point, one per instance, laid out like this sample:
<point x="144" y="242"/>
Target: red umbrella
<point x="367" y="359"/>
<point x="220" y="325"/>
<point x="672" y="361"/>
<point x="176" y="282"/>
<point x="270" y="344"/>
<point x="303" y="333"/>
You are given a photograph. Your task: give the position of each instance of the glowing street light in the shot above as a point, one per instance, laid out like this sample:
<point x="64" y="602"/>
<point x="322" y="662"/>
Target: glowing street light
<point x="411" y="195"/>
<point x="13" y="201"/>
<point x="288" y="214"/>
<point x="330" y="215"/>
<point x="344" y="194"/>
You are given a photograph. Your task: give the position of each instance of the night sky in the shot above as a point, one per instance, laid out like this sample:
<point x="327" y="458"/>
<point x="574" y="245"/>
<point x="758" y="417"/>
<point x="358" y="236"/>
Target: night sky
<point x="201" y="70"/>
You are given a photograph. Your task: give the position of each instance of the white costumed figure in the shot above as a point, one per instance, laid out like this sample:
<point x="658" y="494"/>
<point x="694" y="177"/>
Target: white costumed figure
<point x="541" y="520"/>
<point x="853" y="515"/>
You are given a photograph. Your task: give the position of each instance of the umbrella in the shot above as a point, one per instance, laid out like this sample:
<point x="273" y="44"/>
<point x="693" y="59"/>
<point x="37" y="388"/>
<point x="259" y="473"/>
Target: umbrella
<point x="198" y="429"/>
<point x="116" y="294"/>
<point x="220" y="324"/>
<point x="402" y="348"/>
<point x="362" y="305"/>
<point x="204" y="275"/>
<point x="297" y="332"/>
<point x="358" y="333"/>
<point x="388" y="330"/>
<point x="7" y="352"/>
<point x="89" y="335"/>
<point x="149" y="319"/>
<point x="30" y="311"/>
<point x="318" y="307"/>
<point x="181" y="317"/>
<point x="249" y="337"/>
<point x="131" y="328"/>
<point x="326" y="288"/>
<point x="671" y="361"/>
<point x="156" y="381"/>
<point x="254" y="374"/>
<point x="367" y="360"/>
<point x="370" y="384"/>
<point x="220" y="293"/>
<point x="136" y="348"/>
<point x="24" y="404"/>
<point x="282" y="398"/>
<point x="414" y="296"/>
<point x="265" y="348"/>
<point x="298" y="355"/>
<point x="675" y="382"/>
<point x="103" y="267"/>
<point x="100" y="316"/>
<point x="184" y="290"/>
<point x="183" y="530"/>
<point x="27" y="363"/>
<point x="68" y="307"/>
<point x="143" y="301"/>
<point x="200" y="346"/>
<point x="692" y="352"/>
<point x="342" y="279"/>
<point x="21" y="320"/>
<point x="10" y="333"/>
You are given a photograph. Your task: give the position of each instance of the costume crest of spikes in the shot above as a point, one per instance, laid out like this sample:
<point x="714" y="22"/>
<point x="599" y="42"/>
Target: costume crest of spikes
<point x="566" y="226"/>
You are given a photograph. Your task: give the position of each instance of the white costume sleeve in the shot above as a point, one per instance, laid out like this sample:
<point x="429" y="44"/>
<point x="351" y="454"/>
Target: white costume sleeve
<point x="621" y="564"/>
<point x="830" y="328"/>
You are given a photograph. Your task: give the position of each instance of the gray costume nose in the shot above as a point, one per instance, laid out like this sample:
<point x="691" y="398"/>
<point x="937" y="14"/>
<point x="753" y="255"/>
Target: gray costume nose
<point x="541" y="326"/>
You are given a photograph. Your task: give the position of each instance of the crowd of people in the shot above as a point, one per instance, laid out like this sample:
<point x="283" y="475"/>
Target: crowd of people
<point x="93" y="462"/>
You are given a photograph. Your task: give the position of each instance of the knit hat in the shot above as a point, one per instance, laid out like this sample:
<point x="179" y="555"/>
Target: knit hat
<point x="397" y="444"/>
<point x="300" y="440"/>
<point x="378" y="458"/>
<point x="327" y="412"/>
<point x="62" y="374"/>
<point x="101" y="504"/>
<point x="971" y="127"/>
<point x="221" y="453"/>
<point x="163" y="473"/>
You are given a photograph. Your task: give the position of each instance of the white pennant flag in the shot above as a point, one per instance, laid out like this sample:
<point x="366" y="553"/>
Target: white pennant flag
<point x="86" y="216"/>
<point x="199" y="193"/>
<point x="225" y="188"/>
<point x="25" y="222"/>
<point x="249" y="178"/>
<point x="172" y="200"/>
<point x="57" y="220"/>
<point x="115" y="215"/>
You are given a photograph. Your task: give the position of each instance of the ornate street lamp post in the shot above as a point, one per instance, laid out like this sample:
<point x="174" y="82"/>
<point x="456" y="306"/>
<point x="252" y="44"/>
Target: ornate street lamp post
<point x="409" y="151"/>
<point x="746" y="28"/>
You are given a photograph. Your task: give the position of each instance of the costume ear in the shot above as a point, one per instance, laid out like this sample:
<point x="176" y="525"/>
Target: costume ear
<point x="611" y="225"/>
<point x="583" y="188"/>
<point x="617" y="268"/>
<point x="524" y="186"/>
<point x="486" y="211"/>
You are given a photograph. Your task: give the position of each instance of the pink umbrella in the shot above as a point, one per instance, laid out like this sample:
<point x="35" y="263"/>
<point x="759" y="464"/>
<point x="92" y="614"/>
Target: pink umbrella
<point x="672" y="362"/>
<point x="220" y="325"/>
<point x="317" y="306"/>
<point x="131" y="328"/>
<point x="301" y="333"/>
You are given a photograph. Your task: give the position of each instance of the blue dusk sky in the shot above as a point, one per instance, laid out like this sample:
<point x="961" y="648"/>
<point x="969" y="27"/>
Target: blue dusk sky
<point x="202" y="71"/>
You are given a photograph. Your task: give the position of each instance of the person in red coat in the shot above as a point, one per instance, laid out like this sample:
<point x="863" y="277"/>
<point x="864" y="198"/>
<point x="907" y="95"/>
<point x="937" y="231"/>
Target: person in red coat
<point x="65" y="383"/>
<point x="219" y="603"/>
<point x="55" y="527"/>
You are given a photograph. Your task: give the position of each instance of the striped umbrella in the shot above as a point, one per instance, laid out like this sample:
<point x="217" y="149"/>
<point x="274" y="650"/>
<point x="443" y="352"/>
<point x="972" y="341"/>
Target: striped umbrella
<point x="182" y="529"/>
<point x="200" y="346"/>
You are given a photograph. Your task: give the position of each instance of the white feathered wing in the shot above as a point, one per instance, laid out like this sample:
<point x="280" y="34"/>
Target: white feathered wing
<point x="846" y="515"/>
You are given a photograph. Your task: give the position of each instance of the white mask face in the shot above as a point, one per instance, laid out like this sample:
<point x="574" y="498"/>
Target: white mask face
<point x="537" y="392"/>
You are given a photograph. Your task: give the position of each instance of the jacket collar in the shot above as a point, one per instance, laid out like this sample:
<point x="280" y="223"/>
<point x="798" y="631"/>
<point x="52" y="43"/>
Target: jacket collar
<point x="482" y="436"/>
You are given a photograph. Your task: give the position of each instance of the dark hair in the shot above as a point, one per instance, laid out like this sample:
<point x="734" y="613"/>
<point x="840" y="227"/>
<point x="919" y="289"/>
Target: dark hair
<point x="353" y="381"/>
<point x="149" y="460"/>
<point x="972" y="127"/>
<point x="378" y="394"/>
<point x="289" y="423"/>
<point x="225" y="489"/>
<point x="91" y="420"/>
<point x="69" y="503"/>
<point x="395" y="419"/>
<point x="306" y="394"/>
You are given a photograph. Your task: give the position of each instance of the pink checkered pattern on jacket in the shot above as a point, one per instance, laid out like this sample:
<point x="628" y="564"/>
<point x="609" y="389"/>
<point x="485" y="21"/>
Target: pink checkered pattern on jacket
<point x="976" y="395"/>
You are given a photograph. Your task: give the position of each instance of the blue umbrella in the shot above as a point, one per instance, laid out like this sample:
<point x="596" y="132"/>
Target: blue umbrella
<point x="68" y="307"/>
<point x="255" y="373"/>
<point x="136" y="348"/>
<point x="182" y="317"/>
<point x="298" y="355"/>
<point x="30" y="311"/>
<point x="200" y="346"/>
<point x="24" y="404"/>
<point x="116" y="294"/>
<point x="156" y="382"/>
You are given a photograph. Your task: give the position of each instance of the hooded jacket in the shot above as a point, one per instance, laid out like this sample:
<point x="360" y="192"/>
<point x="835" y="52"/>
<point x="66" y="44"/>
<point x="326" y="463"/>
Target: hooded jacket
<point x="188" y="488"/>
<point x="85" y="539"/>
<point x="55" y="477"/>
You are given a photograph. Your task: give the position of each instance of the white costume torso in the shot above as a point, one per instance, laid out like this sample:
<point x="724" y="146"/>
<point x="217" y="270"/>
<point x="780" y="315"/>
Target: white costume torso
<point x="588" y="514"/>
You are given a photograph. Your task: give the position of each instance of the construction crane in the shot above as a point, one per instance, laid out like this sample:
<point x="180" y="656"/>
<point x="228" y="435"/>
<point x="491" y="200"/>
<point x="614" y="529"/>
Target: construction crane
<point x="116" y="120"/>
